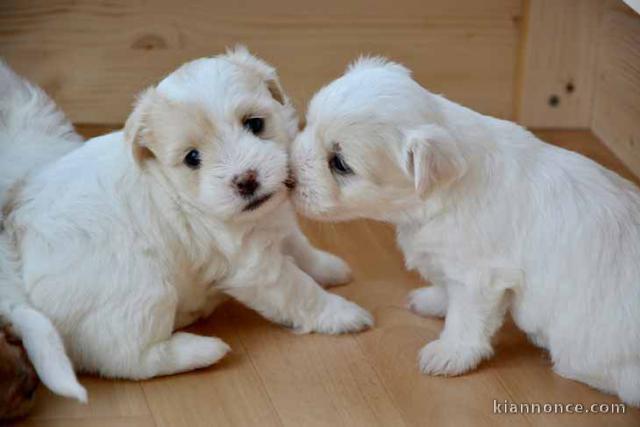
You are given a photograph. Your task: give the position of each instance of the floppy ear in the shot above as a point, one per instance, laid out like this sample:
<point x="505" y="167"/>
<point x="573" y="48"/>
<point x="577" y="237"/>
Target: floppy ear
<point x="241" y="56"/>
<point x="276" y="90"/>
<point x="136" y="129"/>
<point x="432" y="157"/>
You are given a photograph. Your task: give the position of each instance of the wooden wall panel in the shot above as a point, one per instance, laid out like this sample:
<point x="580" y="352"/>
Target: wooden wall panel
<point x="94" y="56"/>
<point x="616" y="112"/>
<point x="559" y="62"/>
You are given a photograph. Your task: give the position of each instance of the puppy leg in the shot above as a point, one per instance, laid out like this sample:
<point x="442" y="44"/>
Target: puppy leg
<point x="145" y="346"/>
<point x="293" y="298"/>
<point x="325" y="268"/>
<point x="475" y="312"/>
<point x="180" y="353"/>
<point x="429" y="301"/>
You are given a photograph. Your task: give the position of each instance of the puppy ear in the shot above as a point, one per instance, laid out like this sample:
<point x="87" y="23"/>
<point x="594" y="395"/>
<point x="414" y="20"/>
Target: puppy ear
<point x="276" y="91"/>
<point x="432" y="157"/>
<point x="136" y="129"/>
<point x="241" y="56"/>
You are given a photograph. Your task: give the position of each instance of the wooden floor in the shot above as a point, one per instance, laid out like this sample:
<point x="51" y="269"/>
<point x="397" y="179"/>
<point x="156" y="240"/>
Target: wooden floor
<point x="274" y="377"/>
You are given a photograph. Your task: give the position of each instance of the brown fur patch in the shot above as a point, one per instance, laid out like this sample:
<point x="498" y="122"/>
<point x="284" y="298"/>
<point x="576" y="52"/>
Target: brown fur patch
<point x="135" y="126"/>
<point x="276" y="91"/>
<point x="18" y="379"/>
<point x="158" y="126"/>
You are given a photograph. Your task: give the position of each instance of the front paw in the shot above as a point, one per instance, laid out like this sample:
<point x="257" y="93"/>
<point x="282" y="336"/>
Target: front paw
<point x="443" y="357"/>
<point x="428" y="301"/>
<point x="341" y="316"/>
<point x="330" y="270"/>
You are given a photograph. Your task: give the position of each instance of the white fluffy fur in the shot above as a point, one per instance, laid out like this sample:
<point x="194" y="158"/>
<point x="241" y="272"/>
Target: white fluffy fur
<point x="29" y="120"/>
<point x="120" y="243"/>
<point x="493" y="217"/>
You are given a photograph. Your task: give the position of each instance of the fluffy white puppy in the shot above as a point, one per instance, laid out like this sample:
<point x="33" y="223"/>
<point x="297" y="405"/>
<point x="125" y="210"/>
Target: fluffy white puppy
<point x="496" y="219"/>
<point x="141" y="232"/>
<point x="33" y="132"/>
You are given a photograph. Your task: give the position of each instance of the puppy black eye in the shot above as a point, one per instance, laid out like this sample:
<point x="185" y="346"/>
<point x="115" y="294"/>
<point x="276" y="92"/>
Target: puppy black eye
<point x="338" y="165"/>
<point x="254" y="124"/>
<point x="192" y="159"/>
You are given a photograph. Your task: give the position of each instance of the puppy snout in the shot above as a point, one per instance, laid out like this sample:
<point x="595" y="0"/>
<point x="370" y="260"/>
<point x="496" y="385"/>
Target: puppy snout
<point x="246" y="184"/>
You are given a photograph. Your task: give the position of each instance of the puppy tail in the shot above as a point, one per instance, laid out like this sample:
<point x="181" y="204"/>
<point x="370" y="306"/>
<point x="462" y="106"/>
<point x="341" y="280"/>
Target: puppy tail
<point x="26" y="107"/>
<point x="39" y="336"/>
<point x="46" y="351"/>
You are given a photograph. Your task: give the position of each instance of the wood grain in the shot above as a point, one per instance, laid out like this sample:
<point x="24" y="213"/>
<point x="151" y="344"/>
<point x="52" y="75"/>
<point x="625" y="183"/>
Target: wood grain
<point x="92" y="422"/>
<point x="330" y="377"/>
<point x="228" y="394"/>
<point x="616" y="114"/>
<point x="276" y="378"/>
<point x="94" y="56"/>
<point x="559" y="62"/>
<point x="108" y="399"/>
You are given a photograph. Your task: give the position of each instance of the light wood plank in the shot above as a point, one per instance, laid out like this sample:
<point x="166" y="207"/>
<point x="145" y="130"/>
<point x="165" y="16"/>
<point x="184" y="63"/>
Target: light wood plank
<point x="616" y="115"/>
<point x="106" y="399"/>
<point x="527" y="374"/>
<point x="133" y="421"/>
<point x="316" y="380"/>
<point x="381" y="285"/>
<point x="559" y="62"/>
<point x="228" y="394"/>
<point x="94" y="56"/>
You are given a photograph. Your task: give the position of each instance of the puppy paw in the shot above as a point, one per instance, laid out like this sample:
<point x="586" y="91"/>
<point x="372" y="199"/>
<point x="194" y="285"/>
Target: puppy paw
<point x="442" y="357"/>
<point x="341" y="316"/>
<point x="194" y="351"/>
<point x="330" y="270"/>
<point x="428" y="301"/>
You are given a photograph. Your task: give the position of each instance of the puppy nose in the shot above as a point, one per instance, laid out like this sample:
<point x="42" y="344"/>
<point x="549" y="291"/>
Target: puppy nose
<point x="246" y="183"/>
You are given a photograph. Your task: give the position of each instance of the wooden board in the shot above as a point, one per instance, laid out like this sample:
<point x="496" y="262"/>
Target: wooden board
<point x="274" y="377"/>
<point x="616" y="114"/>
<point x="93" y="57"/>
<point x="559" y="62"/>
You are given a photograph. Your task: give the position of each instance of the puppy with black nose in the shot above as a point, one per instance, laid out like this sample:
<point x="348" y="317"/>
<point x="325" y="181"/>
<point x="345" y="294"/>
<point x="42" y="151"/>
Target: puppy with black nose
<point x="494" y="218"/>
<point x="141" y="232"/>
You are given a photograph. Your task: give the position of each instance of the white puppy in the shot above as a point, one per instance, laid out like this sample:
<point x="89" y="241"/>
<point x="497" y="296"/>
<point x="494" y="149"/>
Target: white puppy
<point x="496" y="219"/>
<point x="141" y="232"/>
<point x="33" y="132"/>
